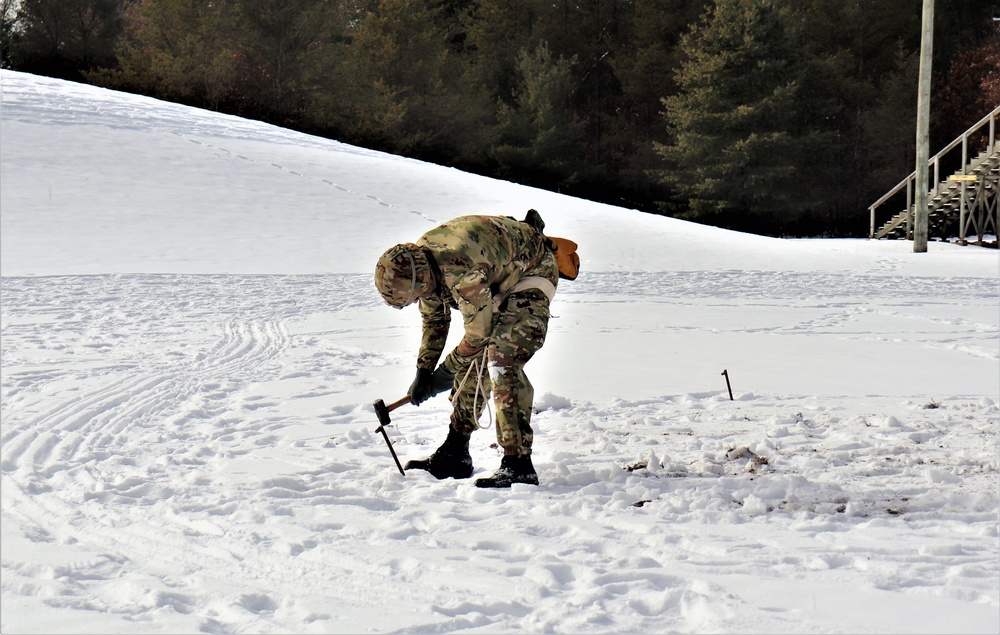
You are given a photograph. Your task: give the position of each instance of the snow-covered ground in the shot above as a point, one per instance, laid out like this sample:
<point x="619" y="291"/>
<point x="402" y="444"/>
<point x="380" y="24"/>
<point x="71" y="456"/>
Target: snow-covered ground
<point x="191" y="345"/>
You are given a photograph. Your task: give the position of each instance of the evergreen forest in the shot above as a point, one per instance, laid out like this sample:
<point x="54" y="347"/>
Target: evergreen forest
<point x="778" y="117"/>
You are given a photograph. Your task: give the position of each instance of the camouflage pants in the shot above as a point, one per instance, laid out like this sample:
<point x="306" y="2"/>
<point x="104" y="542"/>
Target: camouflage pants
<point x="519" y="330"/>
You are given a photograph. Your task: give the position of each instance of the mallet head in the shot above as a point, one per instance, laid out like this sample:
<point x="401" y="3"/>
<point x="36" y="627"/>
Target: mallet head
<point x="381" y="412"/>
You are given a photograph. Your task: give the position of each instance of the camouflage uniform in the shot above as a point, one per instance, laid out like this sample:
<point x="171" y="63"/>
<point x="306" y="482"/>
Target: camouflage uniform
<point x="478" y="260"/>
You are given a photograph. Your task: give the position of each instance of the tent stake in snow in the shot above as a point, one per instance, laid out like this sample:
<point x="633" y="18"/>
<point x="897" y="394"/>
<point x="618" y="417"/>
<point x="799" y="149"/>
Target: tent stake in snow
<point x="383" y="411"/>
<point x="728" y="386"/>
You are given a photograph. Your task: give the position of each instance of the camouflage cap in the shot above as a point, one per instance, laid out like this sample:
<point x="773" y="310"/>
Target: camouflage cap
<point x="402" y="275"/>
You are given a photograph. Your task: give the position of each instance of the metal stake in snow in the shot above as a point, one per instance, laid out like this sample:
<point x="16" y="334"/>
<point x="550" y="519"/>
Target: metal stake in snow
<point x="726" y="373"/>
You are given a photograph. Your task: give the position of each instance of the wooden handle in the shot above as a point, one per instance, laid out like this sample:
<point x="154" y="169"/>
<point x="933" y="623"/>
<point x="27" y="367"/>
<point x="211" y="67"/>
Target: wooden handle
<point x="402" y="402"/>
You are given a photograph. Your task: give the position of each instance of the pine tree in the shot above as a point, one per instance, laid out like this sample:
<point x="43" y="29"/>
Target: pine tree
<point x="8" y="30"/>
<point x="863" y="46"/>
<point x="497" y="31"/>
<point x="645" y="66"/>
<point x="538" y="143"/>
<point x="407" y="87"/>
<point x="179" y="50"/>
<point x="282" y="47"/>
<point x="63" y="38"/>
<point x="886" y="128"/>
<point x="741" y="131"/>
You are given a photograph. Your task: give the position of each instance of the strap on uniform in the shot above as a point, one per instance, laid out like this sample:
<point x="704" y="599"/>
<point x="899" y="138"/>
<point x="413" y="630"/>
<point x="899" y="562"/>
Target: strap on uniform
<point x="413" y="279"/>
<point x="534" y="282"/>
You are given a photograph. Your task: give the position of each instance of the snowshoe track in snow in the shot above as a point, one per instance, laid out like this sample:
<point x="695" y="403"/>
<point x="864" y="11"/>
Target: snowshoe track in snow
<point x="181" y="445"/>
<point x="124" y="449"/>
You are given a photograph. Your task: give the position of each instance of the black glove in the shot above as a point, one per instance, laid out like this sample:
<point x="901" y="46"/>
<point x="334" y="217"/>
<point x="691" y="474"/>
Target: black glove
<point x="427" y="384"/>
<point x="442" y="379"/>
<point x="420" y="389"/>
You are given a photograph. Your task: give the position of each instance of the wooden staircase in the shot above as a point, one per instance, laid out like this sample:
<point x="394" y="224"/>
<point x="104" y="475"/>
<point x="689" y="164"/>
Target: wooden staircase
<point x="963" y="206"/>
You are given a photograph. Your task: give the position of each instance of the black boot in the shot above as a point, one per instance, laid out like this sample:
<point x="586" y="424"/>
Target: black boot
<point x="513" y="469"/>
<point x="451" y="460"/>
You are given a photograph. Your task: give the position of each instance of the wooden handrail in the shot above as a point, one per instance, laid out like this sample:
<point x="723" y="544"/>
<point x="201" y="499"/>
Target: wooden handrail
<point x="935" y="163"/>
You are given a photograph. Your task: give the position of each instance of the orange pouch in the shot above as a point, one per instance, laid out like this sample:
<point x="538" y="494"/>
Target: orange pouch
<point x="567" y="259"/>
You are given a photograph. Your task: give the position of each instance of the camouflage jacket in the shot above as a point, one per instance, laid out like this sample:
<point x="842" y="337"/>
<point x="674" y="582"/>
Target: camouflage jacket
<point x="478" y="259"/>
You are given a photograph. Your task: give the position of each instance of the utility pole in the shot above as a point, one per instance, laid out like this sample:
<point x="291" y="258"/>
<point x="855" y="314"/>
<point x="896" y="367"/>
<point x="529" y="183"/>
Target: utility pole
<point x="920" y="220"/>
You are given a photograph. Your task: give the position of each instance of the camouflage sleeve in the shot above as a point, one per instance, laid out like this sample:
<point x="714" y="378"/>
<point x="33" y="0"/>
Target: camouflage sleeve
<point x="436" y="319"/>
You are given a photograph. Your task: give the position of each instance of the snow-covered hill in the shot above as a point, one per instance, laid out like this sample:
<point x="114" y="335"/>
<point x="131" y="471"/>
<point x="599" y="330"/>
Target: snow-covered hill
<point x="191" y="345"/>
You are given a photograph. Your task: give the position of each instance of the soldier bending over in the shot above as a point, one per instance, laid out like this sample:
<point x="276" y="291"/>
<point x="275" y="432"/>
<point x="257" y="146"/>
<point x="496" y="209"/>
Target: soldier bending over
<point x="501" y="275"/>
